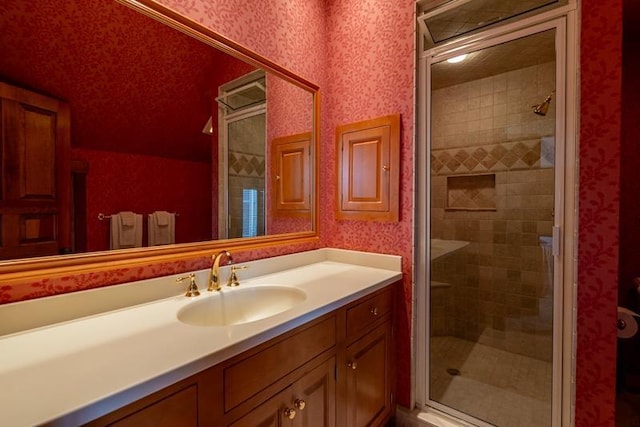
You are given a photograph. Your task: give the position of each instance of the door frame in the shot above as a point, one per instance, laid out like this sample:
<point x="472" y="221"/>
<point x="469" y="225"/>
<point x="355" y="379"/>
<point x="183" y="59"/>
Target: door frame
<point x="564" y="20"/>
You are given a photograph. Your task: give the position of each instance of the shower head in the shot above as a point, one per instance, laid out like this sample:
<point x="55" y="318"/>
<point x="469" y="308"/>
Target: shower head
<point x="541" y="109"/>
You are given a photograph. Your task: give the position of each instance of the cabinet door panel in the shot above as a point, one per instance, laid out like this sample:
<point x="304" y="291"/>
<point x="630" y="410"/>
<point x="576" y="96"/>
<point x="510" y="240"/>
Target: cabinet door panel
<point x="291" y="175"/>
<point x="364" y="185"/>
<point x="317" y="390"/>
<point x="368" y="169"/>
<point x="368" y="379"/>
<point x="268" y="414"/>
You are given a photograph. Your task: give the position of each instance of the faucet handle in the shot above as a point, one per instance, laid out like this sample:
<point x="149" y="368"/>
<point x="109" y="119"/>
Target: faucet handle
<point x="192" y="290"/>
<point x="233" y="277"/>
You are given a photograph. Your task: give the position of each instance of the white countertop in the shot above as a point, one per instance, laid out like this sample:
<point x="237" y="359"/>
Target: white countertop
<point x="71" y="372"/>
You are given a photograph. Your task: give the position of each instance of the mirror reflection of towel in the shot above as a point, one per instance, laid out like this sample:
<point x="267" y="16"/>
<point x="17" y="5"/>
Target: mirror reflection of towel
<point x="161" y="228"/>
<point x="126" y="230"/>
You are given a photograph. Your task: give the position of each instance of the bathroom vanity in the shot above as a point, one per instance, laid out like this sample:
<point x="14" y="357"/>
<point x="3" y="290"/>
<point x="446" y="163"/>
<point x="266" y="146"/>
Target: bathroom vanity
<point x="324" y="357"/>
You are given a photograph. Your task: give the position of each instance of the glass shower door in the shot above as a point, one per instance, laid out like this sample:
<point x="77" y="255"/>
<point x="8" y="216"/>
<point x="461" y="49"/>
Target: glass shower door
<point x="492" y="202"/>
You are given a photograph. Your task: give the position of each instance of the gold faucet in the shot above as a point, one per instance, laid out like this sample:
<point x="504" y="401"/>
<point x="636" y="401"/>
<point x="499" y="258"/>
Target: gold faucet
<point x="192" y="290"/>
<point x="214" y="277"/>
<point x="233" y="277"/>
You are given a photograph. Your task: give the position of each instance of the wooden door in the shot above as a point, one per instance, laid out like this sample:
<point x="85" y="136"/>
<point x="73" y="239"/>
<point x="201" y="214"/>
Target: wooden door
<point x="369" y="397"/>
<point x="35" y="192"/>
<point x="291" y="175"/>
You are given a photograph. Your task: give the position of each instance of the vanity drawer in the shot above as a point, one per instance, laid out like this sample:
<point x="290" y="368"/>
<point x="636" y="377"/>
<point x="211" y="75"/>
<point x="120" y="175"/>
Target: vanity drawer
<point x="363" y="315"/>
<point x="251" y="375"/>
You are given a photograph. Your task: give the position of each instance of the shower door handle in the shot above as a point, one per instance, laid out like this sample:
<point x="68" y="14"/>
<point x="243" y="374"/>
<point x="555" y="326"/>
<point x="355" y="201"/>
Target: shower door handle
<point x="555" y="246"/>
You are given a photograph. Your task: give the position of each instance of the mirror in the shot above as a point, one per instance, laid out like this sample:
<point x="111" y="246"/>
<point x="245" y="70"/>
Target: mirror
<point x="160" y="120"/>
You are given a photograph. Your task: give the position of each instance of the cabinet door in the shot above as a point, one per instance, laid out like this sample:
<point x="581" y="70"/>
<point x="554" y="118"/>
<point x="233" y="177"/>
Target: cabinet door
<point x="369" y="399"/>
<point x="368" y="169"/>
<point x="35" y="195"/>
<point x="272" y="413"/>
<point x="290" y="175"/>
<point x="314" y="397"/>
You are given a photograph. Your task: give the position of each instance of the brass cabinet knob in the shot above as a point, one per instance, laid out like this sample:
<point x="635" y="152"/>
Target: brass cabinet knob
<point x="300" y="404"/>
<point x="290" y="413"/>
<point x="352" y="364"/>
<point x="374" y="311"/>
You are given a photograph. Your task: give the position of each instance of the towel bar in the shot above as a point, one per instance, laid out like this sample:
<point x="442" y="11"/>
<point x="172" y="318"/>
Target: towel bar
<point x="102" y="217"/>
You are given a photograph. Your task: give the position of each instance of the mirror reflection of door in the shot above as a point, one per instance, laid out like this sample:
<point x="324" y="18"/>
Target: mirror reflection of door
<point x="242" y="121"/>
<point x="35" y="193"/>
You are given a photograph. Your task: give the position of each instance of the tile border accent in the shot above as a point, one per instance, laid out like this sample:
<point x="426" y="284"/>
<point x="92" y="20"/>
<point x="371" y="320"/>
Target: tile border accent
<point x="246" y="164"/>
<point x="504" y="156"/>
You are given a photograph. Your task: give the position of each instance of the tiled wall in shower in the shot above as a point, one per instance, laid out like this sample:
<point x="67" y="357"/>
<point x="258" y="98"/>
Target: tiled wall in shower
<point x="246" y="170"/>
<point x="496" y="289"/>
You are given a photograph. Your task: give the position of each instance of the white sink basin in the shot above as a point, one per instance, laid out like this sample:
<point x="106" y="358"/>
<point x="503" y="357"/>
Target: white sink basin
<point x="240" y="305"/>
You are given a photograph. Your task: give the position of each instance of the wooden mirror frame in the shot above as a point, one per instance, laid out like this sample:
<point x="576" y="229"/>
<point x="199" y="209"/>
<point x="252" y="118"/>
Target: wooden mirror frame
<point x="44" y="267"/>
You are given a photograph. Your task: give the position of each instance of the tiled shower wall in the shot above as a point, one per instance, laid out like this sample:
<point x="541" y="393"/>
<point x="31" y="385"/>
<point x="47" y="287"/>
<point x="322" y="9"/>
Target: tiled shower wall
<point x="246" y="169"/>
<point x="499" y="292"/>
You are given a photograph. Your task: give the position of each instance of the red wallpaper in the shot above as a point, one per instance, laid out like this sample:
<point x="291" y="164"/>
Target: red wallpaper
<point x="289" y="112"/>
<point x="361" y="55"/>
<point x="120" y="82"/>
<point x="600" y="92"/>
<point x="149" y="184"/>
<point x="370" y="74"/>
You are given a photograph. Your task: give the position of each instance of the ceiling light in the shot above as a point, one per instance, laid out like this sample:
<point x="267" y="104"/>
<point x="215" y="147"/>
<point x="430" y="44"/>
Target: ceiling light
<point x="208" y="128"/>
<point x="457" y="59"/>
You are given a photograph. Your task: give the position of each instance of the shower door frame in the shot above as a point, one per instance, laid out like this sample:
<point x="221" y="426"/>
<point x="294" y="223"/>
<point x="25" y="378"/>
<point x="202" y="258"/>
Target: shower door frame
<point x="226" y="118"/>
<point x="564" y="21"/>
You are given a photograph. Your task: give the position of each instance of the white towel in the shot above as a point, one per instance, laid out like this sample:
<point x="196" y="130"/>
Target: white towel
<point x="161" y="228"/>
<point x="126" y="230"/>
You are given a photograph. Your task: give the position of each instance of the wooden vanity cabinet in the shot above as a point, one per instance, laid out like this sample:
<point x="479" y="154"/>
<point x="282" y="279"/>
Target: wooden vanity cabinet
<point x="334" y="371"/>
<point x="309" y="402"/>
<point x="369" y="364"/>
<point x="187" y="403"/>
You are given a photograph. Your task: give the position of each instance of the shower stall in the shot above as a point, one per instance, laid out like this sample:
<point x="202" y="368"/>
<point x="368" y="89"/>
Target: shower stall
<point x="489" y="261"/>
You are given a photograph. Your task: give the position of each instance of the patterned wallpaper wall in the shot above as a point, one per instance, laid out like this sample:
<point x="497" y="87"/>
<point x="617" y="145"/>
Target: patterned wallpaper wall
<point x="600" y="74"/>
<point x="364" y="49"/>
<point x="149" y="184"/>
<point x="370" y="47"/>
<point x="289" y="112"/>
<point x="121" y="84"/>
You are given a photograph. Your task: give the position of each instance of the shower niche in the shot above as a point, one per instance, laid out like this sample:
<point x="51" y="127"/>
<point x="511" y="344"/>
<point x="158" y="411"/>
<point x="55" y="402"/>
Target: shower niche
<point x="471" y="193"/>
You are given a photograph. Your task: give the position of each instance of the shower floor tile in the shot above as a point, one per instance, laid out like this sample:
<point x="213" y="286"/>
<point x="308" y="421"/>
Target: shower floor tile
<point x="501" y="388"/>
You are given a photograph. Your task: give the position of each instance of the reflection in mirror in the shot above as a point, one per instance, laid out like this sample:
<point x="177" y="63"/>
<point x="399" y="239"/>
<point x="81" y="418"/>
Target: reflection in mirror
<point x="152" y="121"/>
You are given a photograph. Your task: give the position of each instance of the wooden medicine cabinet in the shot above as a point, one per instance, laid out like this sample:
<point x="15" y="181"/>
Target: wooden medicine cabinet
<point x="368" y="169"/>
